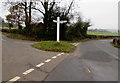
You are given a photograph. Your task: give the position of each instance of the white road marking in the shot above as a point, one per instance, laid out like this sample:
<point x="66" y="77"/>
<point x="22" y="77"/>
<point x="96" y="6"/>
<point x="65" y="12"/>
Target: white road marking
<point x="3" y="40"/>
<point x="88" y="70"/>
<point x="59" y="54"/>
<point x="74" y="43"/>
<point x="54" y="57"/>
<point x="28" y="71"/>
<point x="15" y="79"/>
<point x="39" y="65"/>
<point x="62" y="53"/>
<point x="77" y="44"/>
<point x="116" y="57"/>
<point x="48" y="60"/>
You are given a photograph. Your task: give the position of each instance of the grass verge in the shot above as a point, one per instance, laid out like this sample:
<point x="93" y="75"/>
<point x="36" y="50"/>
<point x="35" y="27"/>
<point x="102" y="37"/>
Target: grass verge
<point x="115" y="45"/>
<point x="55" y="46"/>
<point x="18" y="36"/>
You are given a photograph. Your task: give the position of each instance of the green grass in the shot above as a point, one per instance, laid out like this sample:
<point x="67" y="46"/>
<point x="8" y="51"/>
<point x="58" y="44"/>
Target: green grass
<point x="7" y="28"/>
<point x="102" y="33"/>
<point x="115" y="45"/>
<point x="55" y="46"/>
<point x="18" y="36"/>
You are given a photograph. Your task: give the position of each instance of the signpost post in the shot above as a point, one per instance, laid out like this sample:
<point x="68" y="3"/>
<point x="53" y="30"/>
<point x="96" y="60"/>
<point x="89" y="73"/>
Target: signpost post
<point x="58" y="27"/>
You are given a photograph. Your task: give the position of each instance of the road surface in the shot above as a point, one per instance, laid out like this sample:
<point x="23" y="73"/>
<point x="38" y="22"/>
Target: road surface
<point x="22" y="62"/>
<point x="93" y="61"/>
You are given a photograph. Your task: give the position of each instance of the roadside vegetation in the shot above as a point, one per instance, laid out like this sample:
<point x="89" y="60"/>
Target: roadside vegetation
<point x="116" y="42"/>
<point x="115" y="45"/>
<point x="55" y="46"/>
<point x="29" y="26"/>
<point x="18" y="36"/>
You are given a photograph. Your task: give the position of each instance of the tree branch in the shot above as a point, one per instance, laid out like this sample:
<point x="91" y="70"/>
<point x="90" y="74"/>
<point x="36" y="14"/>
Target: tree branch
<point x="38" y="10"/>
<point x="42" y="3"/>
<point x="69" y="8"/>
<point x="52" y="6"/>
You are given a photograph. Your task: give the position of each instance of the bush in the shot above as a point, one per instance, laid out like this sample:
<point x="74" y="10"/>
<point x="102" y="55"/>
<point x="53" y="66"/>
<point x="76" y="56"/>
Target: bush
<point x="116" y="41"/>
<point x="77" y="30"/>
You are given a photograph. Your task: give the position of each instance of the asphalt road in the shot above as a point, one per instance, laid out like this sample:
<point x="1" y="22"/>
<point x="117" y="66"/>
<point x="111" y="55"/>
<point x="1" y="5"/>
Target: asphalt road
<point x="19" y="56"/>
<point x="93" y="61"/>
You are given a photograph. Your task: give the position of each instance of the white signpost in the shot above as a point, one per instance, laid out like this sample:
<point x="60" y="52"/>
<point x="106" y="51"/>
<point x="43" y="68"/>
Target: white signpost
<point x="58" y="27"/>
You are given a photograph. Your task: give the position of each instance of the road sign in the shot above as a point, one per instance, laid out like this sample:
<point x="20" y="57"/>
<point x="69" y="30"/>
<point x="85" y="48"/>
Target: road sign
<point x="58" y="27"/>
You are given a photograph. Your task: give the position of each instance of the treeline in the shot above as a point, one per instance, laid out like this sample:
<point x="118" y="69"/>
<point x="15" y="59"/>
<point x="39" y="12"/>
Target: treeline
<point x="22" y="15"/>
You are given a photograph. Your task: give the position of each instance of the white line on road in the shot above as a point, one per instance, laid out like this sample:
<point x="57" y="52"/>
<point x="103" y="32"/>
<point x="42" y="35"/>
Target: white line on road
<point x="76" y="44"/>
<point x="88" y="70"/>
<point x="39" y="65"/>
<point x="115" y="56"/>
<point x="54" y="57"/>
<point x="62" y="53"/>
<point x="48" y="60"/>
<point x="59" y="54"/>
<point x="28" y="71"/>
<point x="15" y="79"/>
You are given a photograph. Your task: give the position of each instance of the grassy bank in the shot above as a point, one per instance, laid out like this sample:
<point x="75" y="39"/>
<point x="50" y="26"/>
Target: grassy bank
<point x="102" y="33"/>
<point x="18" y="36"/>
<point x="55" y="46"/>
<point x="115" y="45"/>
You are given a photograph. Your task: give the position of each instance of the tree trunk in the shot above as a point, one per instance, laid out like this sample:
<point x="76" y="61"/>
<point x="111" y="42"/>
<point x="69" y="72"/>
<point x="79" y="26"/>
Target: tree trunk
<point x="26" y="15"/>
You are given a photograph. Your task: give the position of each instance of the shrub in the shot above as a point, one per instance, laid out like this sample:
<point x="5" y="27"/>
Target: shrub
<point x="77" y="30"/>
<point x="116" y="41"/>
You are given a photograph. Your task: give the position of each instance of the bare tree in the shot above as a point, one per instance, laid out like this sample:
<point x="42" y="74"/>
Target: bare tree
<point x="48" y="7"/>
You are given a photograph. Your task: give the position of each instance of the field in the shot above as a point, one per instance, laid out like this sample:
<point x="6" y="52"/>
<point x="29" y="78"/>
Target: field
<point x="102" y="33"/>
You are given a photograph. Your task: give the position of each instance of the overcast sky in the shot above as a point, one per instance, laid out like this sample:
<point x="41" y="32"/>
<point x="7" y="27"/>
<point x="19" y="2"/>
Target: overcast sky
<point x="102" y="13"/>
